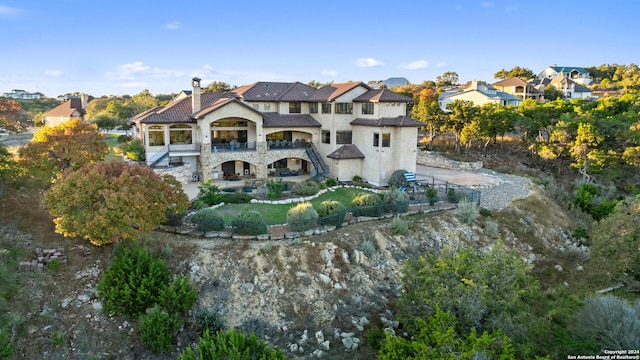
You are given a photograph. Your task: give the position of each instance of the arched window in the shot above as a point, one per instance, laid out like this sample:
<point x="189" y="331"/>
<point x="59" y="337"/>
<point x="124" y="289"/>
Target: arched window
<point x="180" y="134"/>
<point x="156" y="135"/>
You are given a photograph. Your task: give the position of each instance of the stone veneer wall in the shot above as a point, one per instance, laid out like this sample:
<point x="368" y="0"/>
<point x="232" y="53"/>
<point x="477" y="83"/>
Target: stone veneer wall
<point x="182" y="173"/>
<point x="435" y="159"/>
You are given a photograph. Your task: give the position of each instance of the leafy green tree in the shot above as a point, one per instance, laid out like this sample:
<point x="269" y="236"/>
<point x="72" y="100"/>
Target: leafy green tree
<point x="448" y="78"/>
<point x="584" y="149"/>
<point x="8" y="167"/>
<point x="232" y="344"/>
<point x="461" y="113"/>
<point x="319" y="84"/>
<point x="157" y="329"/>
<point x="108" y="202"/>
<point x="218" y="86"/>
<point x="523" y="73"/>
<point x="496" y="120"/>
<point x="615" y="242"/>
<point x="69" y="145"/>
<point x="551" y="93"/>
<point x="488" y="291"/>
<point x="430" y="113"/>
<point x="437" y="339"/>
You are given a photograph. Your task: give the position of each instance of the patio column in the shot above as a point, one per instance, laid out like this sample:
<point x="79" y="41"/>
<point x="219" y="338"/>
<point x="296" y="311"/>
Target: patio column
<point x="205" y="161"/>
<point x="261" y="165"/>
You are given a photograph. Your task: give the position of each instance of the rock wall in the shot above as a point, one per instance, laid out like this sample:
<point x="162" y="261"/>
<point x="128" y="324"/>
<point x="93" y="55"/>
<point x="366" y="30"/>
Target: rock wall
<point x="43" y="258"/>
<point x="182" y="173"/>
<point x="435" y="159"/>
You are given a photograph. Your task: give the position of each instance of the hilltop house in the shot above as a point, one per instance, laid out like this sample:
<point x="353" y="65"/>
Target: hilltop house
<point x="19" y="94"/>
<point x="73" y="108"/>
<point x="275" y="128"/>
<point x="389" y="83"/>
<point x="576" y="74"/>
<point x="479" y="93"/>
<point x="520" y="88"/>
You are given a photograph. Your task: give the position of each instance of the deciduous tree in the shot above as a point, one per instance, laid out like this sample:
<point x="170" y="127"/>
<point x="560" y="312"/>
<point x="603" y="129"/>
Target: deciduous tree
<point x="107" y="202"/>
<point x="218" y="86"/>
<point x="462" y="112"/>
<point x="430" y="113"/>
<point x="70" y="144"/>
<point x="10" y="115"/>
<point x="519" y="72"/>
<point x="449" y="78"/>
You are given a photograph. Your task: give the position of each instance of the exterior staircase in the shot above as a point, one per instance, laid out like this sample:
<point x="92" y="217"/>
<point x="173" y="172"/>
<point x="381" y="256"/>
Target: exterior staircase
<point x="321" y="168"/>
<point x="159" y="156"/>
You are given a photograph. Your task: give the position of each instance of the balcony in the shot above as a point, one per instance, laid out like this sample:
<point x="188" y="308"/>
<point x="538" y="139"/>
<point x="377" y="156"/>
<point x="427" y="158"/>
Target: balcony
<point x="285" y="144"/>
<point x="232" y="146"/>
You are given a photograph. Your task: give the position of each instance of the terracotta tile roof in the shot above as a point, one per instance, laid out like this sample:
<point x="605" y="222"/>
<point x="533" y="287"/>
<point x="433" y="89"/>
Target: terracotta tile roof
<point x="179" y="111"/>
<point x="217" y="104"/>
<point x="347" y="151"/>
<point x="275" y="91"/>
<point x="514" y="81"/>
<point x="331" y="92"/>
<point x="67" y="108"/>
<point x="382" y="95"/>
<point x="289" y="120"/>
<point x="400" y="121"/>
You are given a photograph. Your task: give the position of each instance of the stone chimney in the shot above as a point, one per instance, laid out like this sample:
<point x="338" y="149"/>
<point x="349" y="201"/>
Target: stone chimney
<point x="83" y="101"/>
<point x="195" y="94"/>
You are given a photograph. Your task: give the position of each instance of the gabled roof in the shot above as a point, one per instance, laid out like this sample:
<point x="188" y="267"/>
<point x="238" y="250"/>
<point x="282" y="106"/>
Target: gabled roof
<point x="347" y="151"/>
<point x="179" y="111"/>
<point x="400" y="121"/>
<point x="331" y="92"/>
<point x="271" y="120"/>
<point x="275" y="91"/>
<point x="568" y="69"/>
<point x="576" y="87"/>
<point x="220" y="102"/>
<point x="514" y="81"/>
<point x="67" y="108"/>
<point x="382" y="95"/>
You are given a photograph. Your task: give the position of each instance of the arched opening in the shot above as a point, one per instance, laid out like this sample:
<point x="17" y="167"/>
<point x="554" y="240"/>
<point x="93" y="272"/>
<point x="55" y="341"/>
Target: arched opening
<point x="234" y="170"/>
<point x="156" y="135"/>
<point x="288" y="167"/>
<point x="288" y="140"/>
<point x="180" y="134"/>
<point x="233" y="134"/>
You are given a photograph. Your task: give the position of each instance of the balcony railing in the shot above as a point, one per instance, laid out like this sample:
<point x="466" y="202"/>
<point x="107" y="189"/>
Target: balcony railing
<point x="233" y="146"/>
<point x="285" y="144"/>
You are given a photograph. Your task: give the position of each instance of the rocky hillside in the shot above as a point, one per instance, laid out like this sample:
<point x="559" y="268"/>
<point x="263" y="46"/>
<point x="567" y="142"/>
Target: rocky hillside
<point x="312" y="296"/>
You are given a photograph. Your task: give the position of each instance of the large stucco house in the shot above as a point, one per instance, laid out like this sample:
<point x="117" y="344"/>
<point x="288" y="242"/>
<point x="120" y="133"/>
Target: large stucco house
<point x="574" y="73"/>
<point x="276" y="128"/>
<point x="479" y="93"/>
<point x="72" y="108"/>
<point x="520" y="88"/>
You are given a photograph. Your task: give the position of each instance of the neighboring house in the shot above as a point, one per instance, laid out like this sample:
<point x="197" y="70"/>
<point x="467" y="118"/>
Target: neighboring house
<point x="570" y="89"/>
<point x="74" y="108"/>
<point x="520" y="88"/>
<point x="389" y="83"/>
<point x="22" y="95"/>
<point x="576" y="74"/>
<point x="271" y="128"/>
<point x="479" y="93"/>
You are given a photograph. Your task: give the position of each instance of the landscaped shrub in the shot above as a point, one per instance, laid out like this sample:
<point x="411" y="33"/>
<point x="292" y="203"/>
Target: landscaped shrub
<point x="467" y="211"/>
<point x="306" y="188"/>
<point x="610" y="322"/>
<point x="173" y="218"/>
<point x="356" y="179"/>
<point x="398" y="226"/>
<point x="302" y="217"/>
<point x="329" y="182"/>
<point x="366" y="204"/>
<point x="209" y="193"/>
<point x="432" y="195"/>
<point x="157" y="328"/>
<point x="134" y="150"/>
<point x="208" y="321"/>
<point x="249" y="222"/>
<point x="485" y="212"/>
<point x="452" y="196"/>
<point x="397" y="179"/>
<point x="179" y="296"/>
<point x="123" y="139"/>
<point x="236" y="198"/>
<point x="133" y="281"/>
<point x="331" y="212"/>
<point x="232" y="344"/>
<point x="491" y="229"/>
<point x="207" y="219"/>
<point x="395" y="201"/>
<point x="275" y="187"/>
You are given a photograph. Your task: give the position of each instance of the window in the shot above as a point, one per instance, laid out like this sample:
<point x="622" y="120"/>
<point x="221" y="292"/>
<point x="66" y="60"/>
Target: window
<point x="313" y="108"/>
<point x="256" y="106"/>
<point x="376" y="139"/>
<point x="180" y="134"/>
<point x="344" y="108"/>
<point x="326" y="137"/>
<point x="295" y="108"/>
<point x="367" y="108"/>
<point x="156" y="136"/>
<point x="343" y="137"/>
<point x="326" y="108"/>
<point x="267" y="106"/>
<point x="386" y="140"/>
<point x="229" y="124"/>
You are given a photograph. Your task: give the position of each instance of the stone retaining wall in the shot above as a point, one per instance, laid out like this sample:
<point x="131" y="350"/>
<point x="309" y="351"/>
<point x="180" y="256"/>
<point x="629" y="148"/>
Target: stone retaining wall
<point x="182" y="173"/>
<point x="435" y="159"/>
<point x="43" y="258"/>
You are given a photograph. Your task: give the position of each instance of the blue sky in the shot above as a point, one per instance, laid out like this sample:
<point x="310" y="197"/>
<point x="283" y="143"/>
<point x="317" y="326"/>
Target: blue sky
<point x="123" y="47"/>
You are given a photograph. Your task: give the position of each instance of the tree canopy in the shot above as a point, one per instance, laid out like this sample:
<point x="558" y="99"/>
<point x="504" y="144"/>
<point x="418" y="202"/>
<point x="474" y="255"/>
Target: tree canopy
<point x="519" y="72"/>
<point x="70" y="144"/>
<point x="10" y="115"/>
<point x="448" y="78"/>
<point x="112" y="201"/>
<point x="218" y="86"/>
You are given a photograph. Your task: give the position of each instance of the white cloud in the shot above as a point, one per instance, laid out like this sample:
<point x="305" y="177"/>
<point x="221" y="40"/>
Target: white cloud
<point x="329" y="73"/>
<point x="138" y="69"/>
<point x="367" y="62"/>
<point x="53" y="73"/>
<point x="441" y="64"/>
<point x="487" y="4"/>
<point x="9" y="11"/>
<point x="415" y="65"/>
<point x="174" y="25"/>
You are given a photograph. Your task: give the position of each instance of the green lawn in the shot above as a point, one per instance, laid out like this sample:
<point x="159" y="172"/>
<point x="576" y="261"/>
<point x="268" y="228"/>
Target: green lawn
<point x="277" y="213"/>
<point x="112" y="141"/>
